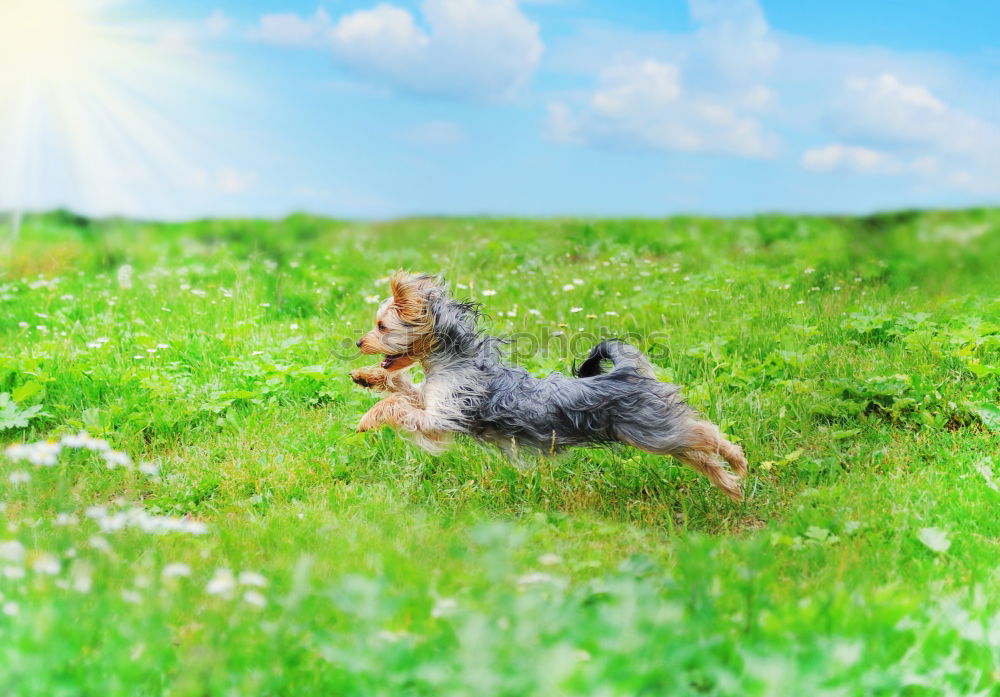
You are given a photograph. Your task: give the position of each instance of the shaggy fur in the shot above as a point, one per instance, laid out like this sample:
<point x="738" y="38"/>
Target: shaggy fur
<point x="469" y="389"/>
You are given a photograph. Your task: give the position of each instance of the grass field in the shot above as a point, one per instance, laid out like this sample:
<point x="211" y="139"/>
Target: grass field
<point x="257" y="546"/>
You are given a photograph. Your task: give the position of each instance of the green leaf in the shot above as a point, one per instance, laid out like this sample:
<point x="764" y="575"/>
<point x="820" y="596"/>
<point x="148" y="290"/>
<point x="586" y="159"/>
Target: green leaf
<point x="12" y="416"/>
<point x="237" y="394"/>
<point x="26" y="391"/>
<point x="989" y="414"/>
<point x="934" y="539"/>
<point x="841" y="435"/>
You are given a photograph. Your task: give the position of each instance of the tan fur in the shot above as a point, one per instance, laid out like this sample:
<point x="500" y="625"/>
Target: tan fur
<point x="705" y="452"/>
<point x="403" y="326"/>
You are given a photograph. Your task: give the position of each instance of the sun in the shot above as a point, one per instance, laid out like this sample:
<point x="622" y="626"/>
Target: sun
<point x="97" y="113"/>
<point x="47" y="42"/>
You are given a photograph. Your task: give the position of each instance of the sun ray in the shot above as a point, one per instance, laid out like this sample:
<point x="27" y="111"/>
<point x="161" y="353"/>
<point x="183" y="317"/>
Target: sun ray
<point x="98" y="114"/>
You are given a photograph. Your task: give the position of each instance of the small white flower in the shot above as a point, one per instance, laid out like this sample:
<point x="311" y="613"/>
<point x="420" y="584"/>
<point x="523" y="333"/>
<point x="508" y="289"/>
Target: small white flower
<point x="255" y="598"/>
<point x="114" y="458"/>
<point x="125" y="276"/>
<point x="443" y="607"/>
<point x="149" y="468"/>
<point x="176" y="570"/>
<point x="568" y="287"/>
<point x="18" y="477"/>
<point x="66" y="519"/>
<point x="11" y="609"/>
<point x="99" y="543"/>
<point x="576" y="309"/>
<point x="12" y="551"/>
<point x="223" y="583"/>
<point x="130" y="596"/>
<point x="372" y="299"/>
<point x="489" y="292"/>
<point x="252" y="578"/>
<point x="46" y="564"/>
<point x="549" y="559"/>
<point x="809" y="271"/>
<point x="611" y="313"/>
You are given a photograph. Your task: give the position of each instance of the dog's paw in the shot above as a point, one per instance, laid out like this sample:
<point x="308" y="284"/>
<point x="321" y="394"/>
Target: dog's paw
<point x="369" y="422"/>
<point x="371" y="378"/>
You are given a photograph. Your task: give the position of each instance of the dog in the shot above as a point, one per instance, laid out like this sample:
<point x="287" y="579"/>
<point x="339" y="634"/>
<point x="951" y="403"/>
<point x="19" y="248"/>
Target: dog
<point x="468" y="389"/>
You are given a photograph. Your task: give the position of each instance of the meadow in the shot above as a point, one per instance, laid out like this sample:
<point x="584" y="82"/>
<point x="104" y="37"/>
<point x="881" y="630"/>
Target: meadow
<point x="221" y="529"/>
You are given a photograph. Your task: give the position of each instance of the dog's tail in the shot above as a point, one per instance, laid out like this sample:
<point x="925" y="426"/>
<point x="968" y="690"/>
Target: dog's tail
<point x="620" y="354"/>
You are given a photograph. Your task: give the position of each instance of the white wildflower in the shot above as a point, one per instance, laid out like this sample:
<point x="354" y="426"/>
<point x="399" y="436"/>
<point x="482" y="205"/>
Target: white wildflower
<point x="444" y="607"/>
<point x="46" y="564"/>
<point x="66" y="519"/>
<point x="19" y="477"/>
<point x="114" y="458"/>
<point x="255" y="598"/>
<point x="12" y="551"/>
<point x="176" y="569"/>
<point x="99" y="543"/>
<point x="489" y="292"/>
<point x="11" y="609"/>
<point x="125" y="276"/>
<point x="576" y="309"/>
<point x="568" y="287"/>
<point x="549" y="559"/>
<point x="252" y="578"/>
<point x="223" y="583"/>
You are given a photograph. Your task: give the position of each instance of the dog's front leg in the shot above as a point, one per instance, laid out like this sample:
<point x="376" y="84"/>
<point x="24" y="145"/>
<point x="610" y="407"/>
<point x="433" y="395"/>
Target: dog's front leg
<point x="398" y="411"/>
<point x="377" y="378"/>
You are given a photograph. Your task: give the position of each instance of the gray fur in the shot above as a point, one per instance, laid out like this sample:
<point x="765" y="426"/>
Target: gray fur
<point x="501" y="403"/>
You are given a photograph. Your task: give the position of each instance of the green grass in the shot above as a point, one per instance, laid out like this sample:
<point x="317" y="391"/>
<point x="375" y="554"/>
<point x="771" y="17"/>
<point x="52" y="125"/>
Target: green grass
<point x="857" y="360"/>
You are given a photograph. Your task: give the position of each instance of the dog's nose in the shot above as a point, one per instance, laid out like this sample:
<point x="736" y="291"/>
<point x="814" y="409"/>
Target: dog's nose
<point x="359" y="342"/>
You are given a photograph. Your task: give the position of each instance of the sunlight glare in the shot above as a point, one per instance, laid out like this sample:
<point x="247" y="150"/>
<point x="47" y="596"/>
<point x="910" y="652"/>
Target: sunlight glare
<point x="96" y="114"/>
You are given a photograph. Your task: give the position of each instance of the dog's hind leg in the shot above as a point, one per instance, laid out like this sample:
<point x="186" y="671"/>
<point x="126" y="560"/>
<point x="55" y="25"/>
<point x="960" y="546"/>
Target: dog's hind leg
<point x="701" y="446"/>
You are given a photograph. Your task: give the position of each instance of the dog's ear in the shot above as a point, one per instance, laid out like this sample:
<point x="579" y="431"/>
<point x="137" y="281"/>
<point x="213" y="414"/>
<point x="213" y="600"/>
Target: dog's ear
<point x="409" y="295"/>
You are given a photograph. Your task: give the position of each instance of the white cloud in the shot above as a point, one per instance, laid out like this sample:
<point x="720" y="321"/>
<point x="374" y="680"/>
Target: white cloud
<point x="706" y="97"/>
<point x="290" y="29"/>
<point x="472" y="48"/>
<point x="884" y="109"/>
<point x="851" y="158"/>
<point x="898" y="128"/>
<point x="734" y="40"/>
<point x="642" y="103"/>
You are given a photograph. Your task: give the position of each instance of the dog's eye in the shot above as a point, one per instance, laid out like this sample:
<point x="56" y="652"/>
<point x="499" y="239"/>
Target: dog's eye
<point x="381" y="326"/>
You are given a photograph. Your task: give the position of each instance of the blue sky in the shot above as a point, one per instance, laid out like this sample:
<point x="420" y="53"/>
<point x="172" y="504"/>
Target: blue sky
<point x="368" y="109"/>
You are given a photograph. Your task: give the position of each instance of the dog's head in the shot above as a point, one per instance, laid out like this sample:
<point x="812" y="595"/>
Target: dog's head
<point x="404" y="323"/>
